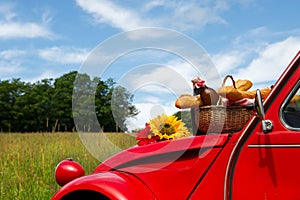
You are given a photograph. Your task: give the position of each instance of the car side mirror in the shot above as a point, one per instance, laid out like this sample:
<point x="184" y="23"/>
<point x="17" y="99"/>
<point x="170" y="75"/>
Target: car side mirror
<point x="259" y="105"/>
<point x="267" y="125"/>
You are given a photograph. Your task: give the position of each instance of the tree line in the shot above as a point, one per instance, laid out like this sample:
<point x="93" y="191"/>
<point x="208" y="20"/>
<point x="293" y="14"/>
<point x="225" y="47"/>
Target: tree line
<point x="52" y="105"/>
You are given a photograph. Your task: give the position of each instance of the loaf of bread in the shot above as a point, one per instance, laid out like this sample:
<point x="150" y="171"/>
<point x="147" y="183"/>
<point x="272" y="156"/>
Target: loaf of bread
<point x="243" y="85"/>
<point x="233" y="94"/>
<point x="188" y="101"/>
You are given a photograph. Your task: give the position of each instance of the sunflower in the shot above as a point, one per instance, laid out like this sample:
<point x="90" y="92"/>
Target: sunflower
<point x="168" y="127"/>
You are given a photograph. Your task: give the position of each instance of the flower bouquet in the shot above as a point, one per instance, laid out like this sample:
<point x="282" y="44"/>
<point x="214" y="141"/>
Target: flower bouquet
<point x="162" y="128"/>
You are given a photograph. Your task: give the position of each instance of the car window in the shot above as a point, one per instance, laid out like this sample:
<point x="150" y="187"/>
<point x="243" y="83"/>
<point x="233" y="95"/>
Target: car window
<point x="291" y="111"/>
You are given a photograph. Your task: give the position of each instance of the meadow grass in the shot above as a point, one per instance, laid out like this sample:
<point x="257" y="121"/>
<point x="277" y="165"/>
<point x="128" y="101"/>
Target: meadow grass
<point x="28" y="161"/>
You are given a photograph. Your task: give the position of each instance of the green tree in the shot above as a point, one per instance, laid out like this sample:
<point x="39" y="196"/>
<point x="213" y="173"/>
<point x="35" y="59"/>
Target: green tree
<point x="53" y="105"/>
<point x="84" y="103"/>
<point x="10" y="91"/>
<point x="4" y="105"/>
<point x="23" y="111"/>
<point x="93" y="105"/>
<point x="32" y="109"/>
<point x="62" y="102"/>
<point x="103" y="105"/>
<point x="122" y="107"/>
<point x="42" y="93"/>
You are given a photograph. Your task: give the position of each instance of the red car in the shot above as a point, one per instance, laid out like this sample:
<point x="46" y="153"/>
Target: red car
<point x="258" y="162"/>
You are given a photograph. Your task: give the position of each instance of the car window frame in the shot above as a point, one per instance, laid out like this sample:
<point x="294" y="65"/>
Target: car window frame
<point x="285" y="104"/>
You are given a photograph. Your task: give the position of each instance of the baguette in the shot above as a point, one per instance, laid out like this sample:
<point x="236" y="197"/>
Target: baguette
<point x="188" y="101"/>
<point x="243" y="85"/>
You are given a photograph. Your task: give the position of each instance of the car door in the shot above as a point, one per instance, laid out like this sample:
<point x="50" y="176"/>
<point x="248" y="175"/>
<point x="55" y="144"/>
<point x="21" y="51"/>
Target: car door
<point x="267" y="165"/>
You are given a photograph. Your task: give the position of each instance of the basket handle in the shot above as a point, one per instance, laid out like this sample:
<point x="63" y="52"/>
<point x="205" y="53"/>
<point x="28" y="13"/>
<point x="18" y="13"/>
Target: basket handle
<point x="226" y="77"/>
<point x="220" y="102"/>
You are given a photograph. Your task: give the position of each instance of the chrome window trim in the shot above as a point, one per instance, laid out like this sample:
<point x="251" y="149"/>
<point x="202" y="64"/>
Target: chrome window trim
<point x="286" y="101"/>
<point x="274" y="146"/>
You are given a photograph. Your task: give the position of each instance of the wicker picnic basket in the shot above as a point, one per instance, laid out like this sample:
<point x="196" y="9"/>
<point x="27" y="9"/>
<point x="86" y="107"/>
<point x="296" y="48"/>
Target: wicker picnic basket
<point x="220" y="118"/>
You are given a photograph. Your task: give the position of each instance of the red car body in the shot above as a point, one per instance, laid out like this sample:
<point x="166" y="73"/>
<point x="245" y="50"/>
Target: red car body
<point x="254" y="163"/>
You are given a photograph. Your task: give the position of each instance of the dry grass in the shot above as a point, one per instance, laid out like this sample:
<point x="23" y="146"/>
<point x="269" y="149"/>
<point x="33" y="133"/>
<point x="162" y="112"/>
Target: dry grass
<point x="27" y="161"/>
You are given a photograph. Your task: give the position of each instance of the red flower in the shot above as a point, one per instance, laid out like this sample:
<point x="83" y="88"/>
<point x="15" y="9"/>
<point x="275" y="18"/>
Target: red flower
<point x="145" y="136"/>
<point x="144" y="133"/>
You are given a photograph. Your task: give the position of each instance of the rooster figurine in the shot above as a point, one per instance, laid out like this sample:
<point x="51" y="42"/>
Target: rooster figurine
<point x="208" y="95"/>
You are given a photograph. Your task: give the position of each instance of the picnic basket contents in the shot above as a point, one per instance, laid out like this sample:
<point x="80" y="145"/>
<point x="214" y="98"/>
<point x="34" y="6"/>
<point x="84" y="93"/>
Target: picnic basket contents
<point x="239" y="90"/>
<point x="223" y="110"/>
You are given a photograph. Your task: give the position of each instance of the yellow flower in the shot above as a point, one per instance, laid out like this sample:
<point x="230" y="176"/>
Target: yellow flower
<point x="168" y="127"/>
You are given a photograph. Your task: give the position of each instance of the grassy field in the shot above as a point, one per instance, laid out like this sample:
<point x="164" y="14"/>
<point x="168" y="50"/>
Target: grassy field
<point x="27" y="161"/>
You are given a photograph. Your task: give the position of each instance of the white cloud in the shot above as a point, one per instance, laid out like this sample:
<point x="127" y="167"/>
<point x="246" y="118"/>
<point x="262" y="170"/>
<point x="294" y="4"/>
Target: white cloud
<point x="6" y="11"/>
<point x="180" y="15"/>
<point x="11" y="53"/>
<point x="10" y="63"/>
<point x="64" y="55"/>
<point x="9" y="69"/>
<point x="157" y="80"/>
<point x="46" y="74"/>
<point x="107" y="12"/>
<point x="259" y="36"/>
<point x="259" y="55"/>
<point x="193" y="16"/>
<point x="226" y="62"/>
<point x="152" y="5"/>
<point x="12" y="28"/>
<point x="149" y="111"/>
<point x="271" y="61"/>
<point x="13" y="62"/>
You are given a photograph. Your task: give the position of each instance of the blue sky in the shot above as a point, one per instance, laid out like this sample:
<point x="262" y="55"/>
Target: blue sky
<point x="253" y="39"/>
